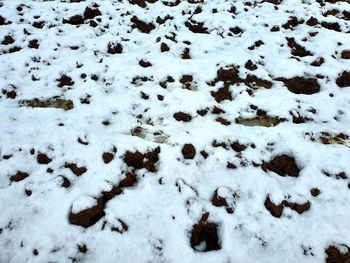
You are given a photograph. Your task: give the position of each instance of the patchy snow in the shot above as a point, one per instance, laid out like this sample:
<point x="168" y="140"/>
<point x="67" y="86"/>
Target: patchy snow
<point x="174" y="131"/>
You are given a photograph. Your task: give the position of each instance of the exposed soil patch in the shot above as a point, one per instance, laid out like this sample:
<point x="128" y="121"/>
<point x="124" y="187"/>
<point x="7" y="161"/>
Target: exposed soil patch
<point x="315" y="192"/>
<point x="74" y="20"/>
<point x="164" y="47"/>
<point x="8" y="40"/>
<point x="129" y="180"/>
<point x="224" y="196"/>
<point x="204" y="236"/>
<point x="222" y="94"/>
<point x="188" y="151"/>
<point x="65" y="80"/>
<point x="335" y="256"/>
<point x="78" y="171"/>
<point x="182" y="116"/>
<point x="344" y="79"/>
<point x="228" y="75"/>
<point x="65" y="182"/>
<point x="139" y="160"/>
<point x="107" y="157"/>
<point x="277" y="209"/>
<point x="141" y="25"/>
<point x="91" y="12"/>
<point x="196" y="27"/>
<point x="92" y="215"/>
<point x="297" y="50"/>
<point x="19" y="176"/>
<point x="301" y="85"/>
<point x="144" y="64"/>
<point x="89" y="216"/>
<point x="345" y="54"/>
<point x="114" y="48"/>
<point x="42" y="158"/>
<point x="283" y="165"/>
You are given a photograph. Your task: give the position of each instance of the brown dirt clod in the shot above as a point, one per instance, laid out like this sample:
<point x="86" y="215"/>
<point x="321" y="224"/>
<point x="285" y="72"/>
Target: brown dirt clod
<point x="141" y="25"/>
<point x="182" y="116"/>
<point x="65" y="80"/>
<point x="114" y="48"/>
<point x="344" y="79"/>
<point x="139" y="160"/>
<point x="283" y="165"/>
<point x="301" y="85"/>
<point x="42" y="158"/>
<point x="89" y="216"/>
<point x="335" y="256"/>
<point x="129" y="180"/>
<point x="19" y="176"/>
<point x="107" y="157"/>
<point x="188" y="151"/>
<point x="78" y="171"/>
<point x="275" y="210"/>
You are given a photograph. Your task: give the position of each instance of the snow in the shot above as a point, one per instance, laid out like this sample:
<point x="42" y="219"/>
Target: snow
<point x="161" y="209"/>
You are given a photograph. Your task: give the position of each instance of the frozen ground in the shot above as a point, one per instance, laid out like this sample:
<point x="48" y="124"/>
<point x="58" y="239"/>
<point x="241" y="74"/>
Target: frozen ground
<point x="174" y="131"/>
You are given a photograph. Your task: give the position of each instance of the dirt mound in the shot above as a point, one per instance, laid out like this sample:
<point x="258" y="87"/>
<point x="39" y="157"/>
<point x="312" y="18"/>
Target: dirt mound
<point x="277" y="209"/>
<point x="335" y="256"/>
<point x="301" y="85"/>
<point x="344" y="79"/>
<point x="139" y="160"/>
<point x="107" y="157"/>
<point x="222" y="94"/>
<point x="182" y="116"/>
<point x="129" y="180"/>
<point x="114" y="48"/>
<point x="196" y="27"/>
<point x="89" y="216"/>
<point x="224" y="196"/>
<point x="75" y="168"/>
<point x="42" y="158"/>
<point x="297" y="50"/>
<point x="49" y="103"/>
<point x="142" y="3"/>
<point x="141" y="25"/>
<point x="19" y="176"/>
<point x="283" y="165"/>
<point x="65" y="80"/>
<point x="188" y="151"/>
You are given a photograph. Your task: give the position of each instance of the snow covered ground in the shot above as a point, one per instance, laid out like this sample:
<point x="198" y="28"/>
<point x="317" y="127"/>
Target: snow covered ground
<point x="174" y="131"/>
